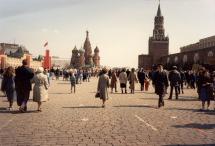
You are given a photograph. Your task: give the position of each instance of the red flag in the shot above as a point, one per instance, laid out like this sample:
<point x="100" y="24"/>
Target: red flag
<point x="46" y="44"/>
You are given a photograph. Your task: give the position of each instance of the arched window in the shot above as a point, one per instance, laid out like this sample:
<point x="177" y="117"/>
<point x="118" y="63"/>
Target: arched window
<point x="176" y="59"/>
<point x="185" y="59"/>
<point x="196" y="58"/>
<point x="210" y="54"/>
<point x="168" y="60"/>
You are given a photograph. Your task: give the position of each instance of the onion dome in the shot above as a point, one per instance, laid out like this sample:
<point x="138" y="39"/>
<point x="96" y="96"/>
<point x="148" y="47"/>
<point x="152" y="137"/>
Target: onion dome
<point x="75" y="50"/>
<point x="81" y="50"/>
<point x="96" y="50"/>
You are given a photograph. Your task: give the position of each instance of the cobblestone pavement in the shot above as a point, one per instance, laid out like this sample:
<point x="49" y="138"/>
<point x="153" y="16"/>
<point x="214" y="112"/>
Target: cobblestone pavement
<point x="128" y="120"/>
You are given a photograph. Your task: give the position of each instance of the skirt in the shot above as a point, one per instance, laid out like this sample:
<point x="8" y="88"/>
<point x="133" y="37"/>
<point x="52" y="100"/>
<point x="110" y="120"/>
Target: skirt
<point x="204" y="94"/>
<point x="123" y="85"/>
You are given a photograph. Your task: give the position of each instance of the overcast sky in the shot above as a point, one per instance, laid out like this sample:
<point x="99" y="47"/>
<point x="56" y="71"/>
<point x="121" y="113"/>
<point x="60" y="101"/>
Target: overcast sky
<point x="120" y="28"/>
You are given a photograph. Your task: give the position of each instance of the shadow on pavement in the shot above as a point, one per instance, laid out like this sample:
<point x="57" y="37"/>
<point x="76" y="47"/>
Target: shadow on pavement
<point x="209" y="112"/>
<point x="63" y="83"/>
<point x="196" y="125"/>
<point x="135" y="106"/>
<point x="5" y="111"/>
<point x="80" y="107"/>
<point x="191" y="145"/>
<point x="60" y="93"/>
<point x="149" y="98"/>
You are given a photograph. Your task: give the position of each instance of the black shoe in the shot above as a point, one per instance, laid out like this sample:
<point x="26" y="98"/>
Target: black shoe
<point x="25" y="108"/>
<point x="162" y="103"/>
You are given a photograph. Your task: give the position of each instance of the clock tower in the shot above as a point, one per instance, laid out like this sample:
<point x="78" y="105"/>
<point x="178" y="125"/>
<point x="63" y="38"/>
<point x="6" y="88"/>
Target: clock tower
<point x="158" y="43"/>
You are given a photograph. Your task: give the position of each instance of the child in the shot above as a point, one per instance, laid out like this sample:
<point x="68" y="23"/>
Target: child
<point x="73" y="81"/>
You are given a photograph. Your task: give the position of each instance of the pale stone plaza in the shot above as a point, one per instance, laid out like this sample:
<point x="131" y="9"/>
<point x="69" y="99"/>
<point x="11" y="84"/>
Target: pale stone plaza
<point x="127" y="120"/>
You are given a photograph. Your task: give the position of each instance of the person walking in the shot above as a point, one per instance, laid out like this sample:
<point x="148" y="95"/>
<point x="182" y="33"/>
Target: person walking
<point x="205" y="90"/>
<point x="8" y="85"/>
<point x="132" y="80"/>
<point x="73" y="82"/>
<point x="40" y="90"/>
<point x="181" y="86"/>
<point x="23" y="85"/>
<point x="113" y="81"/>
<point x="160" y="82"/>
<point x="141" y="77"/>
<point x="213" y="80"/>
<point x="123" y="80"/>
<point x="103" y="85"/>
<point x="175" y="79"/>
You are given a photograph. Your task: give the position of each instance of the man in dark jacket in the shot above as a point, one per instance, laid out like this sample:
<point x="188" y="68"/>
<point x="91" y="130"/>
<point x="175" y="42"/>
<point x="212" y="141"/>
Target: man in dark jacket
<point x="141" y="77"/>
<point x="175" y="79"/>
<point x="23" y="85"/>
<point x="160" y="81"/>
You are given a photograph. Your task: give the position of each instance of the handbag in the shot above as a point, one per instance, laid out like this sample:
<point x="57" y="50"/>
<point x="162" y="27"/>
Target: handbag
<point x="97" y="95"/>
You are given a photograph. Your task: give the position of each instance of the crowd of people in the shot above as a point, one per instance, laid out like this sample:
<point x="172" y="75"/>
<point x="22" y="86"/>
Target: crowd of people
<point x="17" y="83"/>
<point x="161" y="79"/>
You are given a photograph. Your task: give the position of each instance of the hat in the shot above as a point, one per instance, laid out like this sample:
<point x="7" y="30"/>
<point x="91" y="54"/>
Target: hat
<point x="40" y="70"/>
<point x="174" y="67"/>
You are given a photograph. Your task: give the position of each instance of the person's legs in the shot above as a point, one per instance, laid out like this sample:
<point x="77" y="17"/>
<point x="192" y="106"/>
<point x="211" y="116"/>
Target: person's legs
<point x="203" y="105"/>
<point x="74" y="88"/>
<point x="160" y="101"/>
<point x="115" y="87"/>
<point x="125" y="88"/>
<point x="176" y="91"/>
<point x="171" y="90"/>
<point x="179" y="89"/>
<point x="10" y="103"/>
<point x="26" y="98"/>
<point x="182" y="88"/>
<point x="39" y="106"/>
<point x="19" y="97"/>
<point x="208" y="104"/>
<point x="103" y="101"/>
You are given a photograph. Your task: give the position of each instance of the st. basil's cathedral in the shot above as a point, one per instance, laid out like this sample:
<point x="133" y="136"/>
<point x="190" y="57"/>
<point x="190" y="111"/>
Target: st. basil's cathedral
<point x="84" y="57"/>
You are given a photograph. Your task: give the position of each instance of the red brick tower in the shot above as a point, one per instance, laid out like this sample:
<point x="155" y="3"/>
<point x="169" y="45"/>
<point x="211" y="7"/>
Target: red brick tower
<point x="47" y="60"/>
<point x="158" y="43"/>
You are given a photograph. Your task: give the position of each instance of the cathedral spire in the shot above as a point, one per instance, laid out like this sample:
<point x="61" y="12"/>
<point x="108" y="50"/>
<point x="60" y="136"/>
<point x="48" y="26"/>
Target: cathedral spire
<point x="87" y="32"/>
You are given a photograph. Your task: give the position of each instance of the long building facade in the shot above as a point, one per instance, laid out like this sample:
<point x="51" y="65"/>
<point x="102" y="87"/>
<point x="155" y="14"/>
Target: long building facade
<point x="190" y="56"/>
<point x="13" y="54"/>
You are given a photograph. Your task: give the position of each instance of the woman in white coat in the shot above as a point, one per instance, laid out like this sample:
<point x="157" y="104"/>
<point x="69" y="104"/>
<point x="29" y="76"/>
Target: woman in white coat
<point x="40" y="90"/>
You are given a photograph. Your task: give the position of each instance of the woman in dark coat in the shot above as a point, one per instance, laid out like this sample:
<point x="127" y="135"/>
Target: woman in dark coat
<point x="8" y="85"/>
<point x="206" y="92"/>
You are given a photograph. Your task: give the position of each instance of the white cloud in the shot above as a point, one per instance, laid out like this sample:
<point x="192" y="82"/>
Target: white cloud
<point x="56" y="31"/>
<point x="44" y="30"/>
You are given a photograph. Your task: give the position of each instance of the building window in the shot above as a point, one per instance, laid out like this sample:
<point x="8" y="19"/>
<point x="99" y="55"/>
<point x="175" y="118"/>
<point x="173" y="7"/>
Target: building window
<point x="168" y="60"/>
<point x="185" y="59"/>
<point x="210" y="54"/>
<point x="196" y="58"/>
<point x="176" y="59"/>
